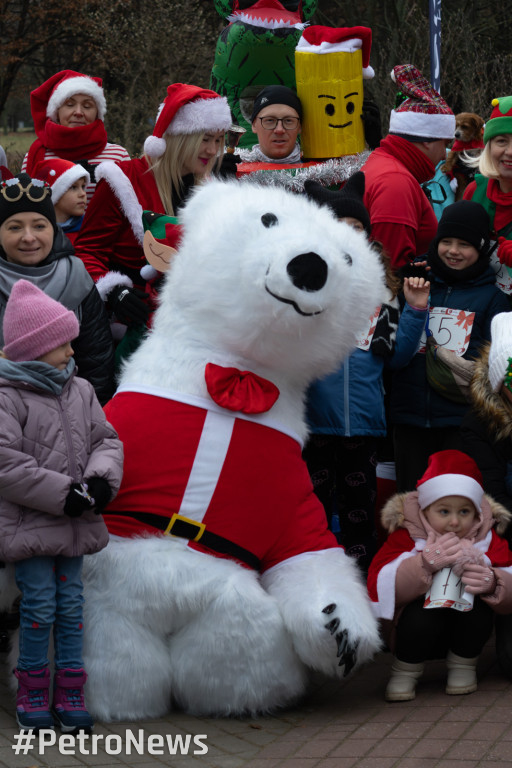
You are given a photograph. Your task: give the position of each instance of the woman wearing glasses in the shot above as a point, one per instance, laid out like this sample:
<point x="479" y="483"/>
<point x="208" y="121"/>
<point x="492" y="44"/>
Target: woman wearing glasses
<point x="275" y="118"/>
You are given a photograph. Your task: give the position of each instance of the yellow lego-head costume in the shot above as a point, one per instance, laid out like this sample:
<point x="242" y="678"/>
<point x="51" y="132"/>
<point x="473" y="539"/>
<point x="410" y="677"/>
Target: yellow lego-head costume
<point x="330" y="64"/>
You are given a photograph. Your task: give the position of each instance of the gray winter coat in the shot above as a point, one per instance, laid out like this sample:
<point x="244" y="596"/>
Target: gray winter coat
<point x="47" y="442"/>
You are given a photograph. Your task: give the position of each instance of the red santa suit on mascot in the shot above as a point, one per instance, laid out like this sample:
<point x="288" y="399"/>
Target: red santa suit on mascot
<point x="221" y="584"/>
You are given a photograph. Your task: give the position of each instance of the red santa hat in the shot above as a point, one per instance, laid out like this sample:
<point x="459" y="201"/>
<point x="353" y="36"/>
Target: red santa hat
<point x="423" y="115"/>
<point x="450" y="473"/>
<point x="60" y="175"/>
<point x="318" y="39"/>
<point x="187" y="109"/>
<point x="46" y="100"/>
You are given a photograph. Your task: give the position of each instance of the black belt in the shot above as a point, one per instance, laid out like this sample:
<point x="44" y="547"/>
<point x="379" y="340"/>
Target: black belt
<point x="185" y="528"/>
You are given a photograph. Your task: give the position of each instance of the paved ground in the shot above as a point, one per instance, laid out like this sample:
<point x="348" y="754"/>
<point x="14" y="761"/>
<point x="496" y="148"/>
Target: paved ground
<point x="337" y="726"/>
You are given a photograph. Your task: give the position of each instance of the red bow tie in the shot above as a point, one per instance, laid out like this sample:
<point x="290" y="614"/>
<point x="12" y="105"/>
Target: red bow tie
<point x="239" y="390"/>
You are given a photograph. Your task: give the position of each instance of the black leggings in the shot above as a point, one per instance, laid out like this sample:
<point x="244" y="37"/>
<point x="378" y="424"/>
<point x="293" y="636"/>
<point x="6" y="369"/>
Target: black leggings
<point x="429" y="633"/>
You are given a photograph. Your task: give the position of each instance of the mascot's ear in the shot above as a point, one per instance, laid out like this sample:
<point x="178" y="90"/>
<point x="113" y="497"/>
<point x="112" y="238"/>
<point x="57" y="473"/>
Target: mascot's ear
<point x="269" y="220"/>
<point x="157" y="254"/>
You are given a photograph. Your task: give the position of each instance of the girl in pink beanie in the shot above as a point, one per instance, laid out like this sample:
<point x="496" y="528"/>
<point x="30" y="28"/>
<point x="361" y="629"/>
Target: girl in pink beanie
<point x="60" y="464"/>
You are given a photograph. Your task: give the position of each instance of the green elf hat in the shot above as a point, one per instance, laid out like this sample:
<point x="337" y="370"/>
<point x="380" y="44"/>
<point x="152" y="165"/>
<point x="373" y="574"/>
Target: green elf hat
<point x="162" y="234"/>
<point x="500" y="121"/>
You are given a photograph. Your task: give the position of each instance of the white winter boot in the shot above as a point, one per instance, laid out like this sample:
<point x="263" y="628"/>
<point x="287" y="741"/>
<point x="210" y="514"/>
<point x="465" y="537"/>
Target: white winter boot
<point x="461" y="674"/>
<point x="402" y="683"/>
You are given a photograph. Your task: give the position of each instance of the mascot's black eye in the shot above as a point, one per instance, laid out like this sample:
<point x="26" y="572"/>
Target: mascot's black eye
<point x="350" y="107"/>
<point x="269" y="220"/>
<point x="348" y="259"/>
<point x="329" y="109"/>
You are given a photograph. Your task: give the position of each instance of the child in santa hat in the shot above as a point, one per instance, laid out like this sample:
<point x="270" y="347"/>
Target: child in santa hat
<point x="69" y="192"/>
<point x="447" y="524"/>
<point x="60" y="464"/>
<point x="68" y="111"/>
<point x="187" y="141"/>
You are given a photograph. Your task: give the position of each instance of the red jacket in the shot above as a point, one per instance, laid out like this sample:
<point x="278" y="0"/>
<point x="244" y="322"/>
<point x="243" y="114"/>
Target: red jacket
<point x="402" y="218"/>
<point x="241" y="476"/>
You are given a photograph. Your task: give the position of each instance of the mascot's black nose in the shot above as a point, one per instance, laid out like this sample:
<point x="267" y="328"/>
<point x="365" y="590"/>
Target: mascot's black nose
<point x="308" y="271"/>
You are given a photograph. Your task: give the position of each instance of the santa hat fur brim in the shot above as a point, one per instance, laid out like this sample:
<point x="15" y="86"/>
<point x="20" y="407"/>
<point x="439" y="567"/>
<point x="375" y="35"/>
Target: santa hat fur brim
<point x="66" y="180"/>
<point x="422" y="124"/>
<point x="70" y="87"/>
<point x="202" y="116"/>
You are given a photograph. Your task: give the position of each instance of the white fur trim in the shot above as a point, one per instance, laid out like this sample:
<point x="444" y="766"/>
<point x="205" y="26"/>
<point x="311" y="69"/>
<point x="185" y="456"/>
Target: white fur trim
<point x="430" y="126"/>
<point x="70" y="87"/>
<point x="154" y="147"/>
<point x="202" y="115"/>
<point x="109" y="281"/>
<point x="125" y="193"/>
<point x="450" y="485"/>
<point x="66" y="180"/>
<point x="245" y="18"/>
<point x="342" y="46"/>
<point x="385" y="608"/>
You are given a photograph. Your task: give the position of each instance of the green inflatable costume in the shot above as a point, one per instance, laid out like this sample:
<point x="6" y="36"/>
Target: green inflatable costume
<point x="256" y="49"/>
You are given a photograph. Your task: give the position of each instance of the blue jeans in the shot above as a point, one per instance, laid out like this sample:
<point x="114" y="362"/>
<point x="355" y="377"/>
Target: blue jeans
<point x="51" y="597"/>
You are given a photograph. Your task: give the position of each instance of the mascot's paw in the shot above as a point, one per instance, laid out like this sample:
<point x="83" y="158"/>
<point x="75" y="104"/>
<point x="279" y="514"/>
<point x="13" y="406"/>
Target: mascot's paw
<point x="347" y="651"/>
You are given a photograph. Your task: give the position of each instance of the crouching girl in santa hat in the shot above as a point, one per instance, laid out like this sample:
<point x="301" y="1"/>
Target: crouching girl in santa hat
<point x="68" y="111"/>
<point x="187" y="140"/>
<point x="442" y="573"/>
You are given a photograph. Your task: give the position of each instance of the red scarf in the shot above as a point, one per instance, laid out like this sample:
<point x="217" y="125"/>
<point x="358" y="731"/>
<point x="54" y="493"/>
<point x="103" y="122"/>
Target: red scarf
<point x="81" y="143"/>
<point x="416" y="162"/>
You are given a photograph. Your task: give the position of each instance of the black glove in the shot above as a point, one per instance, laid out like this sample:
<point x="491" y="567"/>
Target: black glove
<point x="128" y="305"/>
<point x="77" y="501"/>
<point x="371" y="120"/>
<point x="227" y="168"/>
<point x="101" y="492"/>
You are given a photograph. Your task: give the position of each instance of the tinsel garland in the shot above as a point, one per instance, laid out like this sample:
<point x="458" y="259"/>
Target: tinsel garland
<point x="327" y="173"/>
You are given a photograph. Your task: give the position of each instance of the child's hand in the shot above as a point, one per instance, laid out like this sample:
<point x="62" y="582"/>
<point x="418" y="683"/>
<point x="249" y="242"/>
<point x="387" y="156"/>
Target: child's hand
<point x="101" y="492"/>
<point x="479" y="579"/>
<point x="440" y="552"/>
<point x="416" y="291"/>
<point x="77" y="500"/>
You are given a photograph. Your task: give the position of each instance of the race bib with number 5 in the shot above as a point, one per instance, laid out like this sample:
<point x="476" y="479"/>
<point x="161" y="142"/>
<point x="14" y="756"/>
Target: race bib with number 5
<point x="451" y="328"/>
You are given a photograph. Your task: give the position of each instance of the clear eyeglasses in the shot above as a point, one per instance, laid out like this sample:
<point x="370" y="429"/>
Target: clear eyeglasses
<point x="288" y="123"/>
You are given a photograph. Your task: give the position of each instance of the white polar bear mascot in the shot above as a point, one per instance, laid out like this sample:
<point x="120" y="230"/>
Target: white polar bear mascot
<point x="221" y="586"/>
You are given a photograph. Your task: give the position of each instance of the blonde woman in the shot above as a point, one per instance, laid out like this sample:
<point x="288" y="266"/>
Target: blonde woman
<point x="492" y="187"/>
<point x="187" y="140"/>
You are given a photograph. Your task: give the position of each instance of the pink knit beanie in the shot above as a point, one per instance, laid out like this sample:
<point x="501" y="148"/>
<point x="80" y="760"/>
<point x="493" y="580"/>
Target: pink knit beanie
<point x="34" y="323"/>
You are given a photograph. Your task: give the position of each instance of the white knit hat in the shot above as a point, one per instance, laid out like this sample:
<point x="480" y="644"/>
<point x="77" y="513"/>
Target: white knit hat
<point x="500" y="352"/>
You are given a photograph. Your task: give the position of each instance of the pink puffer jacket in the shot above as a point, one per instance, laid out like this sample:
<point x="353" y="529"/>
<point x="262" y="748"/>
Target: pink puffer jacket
<point x="48" y="442"/>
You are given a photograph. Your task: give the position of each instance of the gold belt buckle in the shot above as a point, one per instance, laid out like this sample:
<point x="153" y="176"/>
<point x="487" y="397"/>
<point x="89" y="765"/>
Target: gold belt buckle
<point x="176" y="516"/>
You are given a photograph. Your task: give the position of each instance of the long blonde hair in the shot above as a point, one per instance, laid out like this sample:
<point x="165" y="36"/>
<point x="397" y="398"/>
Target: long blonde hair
<point x="483" y="162"/>
<point x="181" y="151"/>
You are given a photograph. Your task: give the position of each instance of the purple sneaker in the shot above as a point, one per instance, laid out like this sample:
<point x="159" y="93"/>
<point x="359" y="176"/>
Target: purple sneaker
<point x="32" y="700"/>
<point x="68" y="701"/>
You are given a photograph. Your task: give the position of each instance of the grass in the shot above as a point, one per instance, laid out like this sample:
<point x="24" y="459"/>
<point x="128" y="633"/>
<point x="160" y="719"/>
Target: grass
<point x="16" y="145"/>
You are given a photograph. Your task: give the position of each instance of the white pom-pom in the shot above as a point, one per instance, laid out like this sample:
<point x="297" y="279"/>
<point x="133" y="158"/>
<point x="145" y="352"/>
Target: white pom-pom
<point x="148" y="272"/>
<point x="392" y="75"/>
<point x="154" y="147"/>
<point x="368" y="73"/>
<point x="454" y="184"/>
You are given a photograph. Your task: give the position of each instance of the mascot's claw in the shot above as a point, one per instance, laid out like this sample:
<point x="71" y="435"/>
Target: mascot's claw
<point x="346" y="652"/>
<point x="332" y="626"/>
<point x="329" y="608"/>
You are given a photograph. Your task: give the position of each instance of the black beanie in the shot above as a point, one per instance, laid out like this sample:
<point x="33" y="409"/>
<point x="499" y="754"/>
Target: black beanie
<point x="347" y="201"/>
<point x="276" y="94"/>
<point x="467" y="221"/>
<point x="23" y="194"/>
